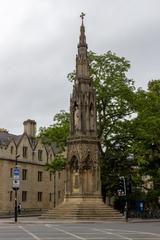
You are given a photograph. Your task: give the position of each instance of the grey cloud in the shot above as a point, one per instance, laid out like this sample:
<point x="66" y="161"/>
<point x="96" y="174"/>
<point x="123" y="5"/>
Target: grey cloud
<point x="38" y="48"/>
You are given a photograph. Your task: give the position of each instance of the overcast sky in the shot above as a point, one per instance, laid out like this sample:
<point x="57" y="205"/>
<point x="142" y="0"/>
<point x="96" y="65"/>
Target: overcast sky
<point x="38" y="45"/>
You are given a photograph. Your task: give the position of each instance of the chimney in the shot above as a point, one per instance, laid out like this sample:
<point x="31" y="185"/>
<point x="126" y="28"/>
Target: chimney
<point x="30" y="127"/>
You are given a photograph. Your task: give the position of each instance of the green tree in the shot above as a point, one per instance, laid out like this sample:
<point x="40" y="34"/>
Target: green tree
<point x="57" y="164"/>
<point x="147" y="132"/>
<point x="57" y="132"/>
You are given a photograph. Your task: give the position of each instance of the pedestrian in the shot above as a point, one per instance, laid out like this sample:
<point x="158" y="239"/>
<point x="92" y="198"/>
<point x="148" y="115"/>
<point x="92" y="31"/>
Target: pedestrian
<point x="19" y="208"/>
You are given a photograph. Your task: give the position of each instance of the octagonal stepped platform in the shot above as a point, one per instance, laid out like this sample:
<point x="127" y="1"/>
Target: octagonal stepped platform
<point x="83" y="209"/>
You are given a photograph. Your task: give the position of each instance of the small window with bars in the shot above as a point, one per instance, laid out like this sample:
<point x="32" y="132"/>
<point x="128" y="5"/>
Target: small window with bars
<point x="50" y="176"/>
<point x="40" y="155"/>
<point x="50" y="197"/>
<point x="25" y="151"/>
<point x="24" y="174"/>
<point x="24" y="196"/>
<point x="40" y="176"/>
<point x="39" y="197"/>
<point x="11" y="169"/>
<point x="11" y="149"/>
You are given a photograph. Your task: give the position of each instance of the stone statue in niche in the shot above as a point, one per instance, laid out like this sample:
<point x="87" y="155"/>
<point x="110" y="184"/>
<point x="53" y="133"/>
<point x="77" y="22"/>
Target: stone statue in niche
<point x="75" y="174"/>
<point x="76" y="184"/>
<point x="76" y="117"/>
<point x="91" y="117"/>
<point x="75" y="181"/>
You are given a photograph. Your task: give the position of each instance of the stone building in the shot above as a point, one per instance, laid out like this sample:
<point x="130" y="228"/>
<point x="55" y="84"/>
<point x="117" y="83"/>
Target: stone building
<point x="39" y="189"/>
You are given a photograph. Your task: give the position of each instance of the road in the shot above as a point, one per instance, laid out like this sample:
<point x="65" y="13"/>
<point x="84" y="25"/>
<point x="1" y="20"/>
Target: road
<point x="83" y="231"/>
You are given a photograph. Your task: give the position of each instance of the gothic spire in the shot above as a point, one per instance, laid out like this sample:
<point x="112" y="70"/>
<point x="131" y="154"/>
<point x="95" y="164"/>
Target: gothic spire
<point x="82" y="37"/>
<point x="82" y="63"/>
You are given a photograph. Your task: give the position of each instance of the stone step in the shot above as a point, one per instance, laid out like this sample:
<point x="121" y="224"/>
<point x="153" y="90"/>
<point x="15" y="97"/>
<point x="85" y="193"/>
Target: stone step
<point x="81" y="209"/>
<point x="85" y="218"/>
<point x="84" y="214"/>
<point x="81" y="214"/>
<point x="81" y="217"/>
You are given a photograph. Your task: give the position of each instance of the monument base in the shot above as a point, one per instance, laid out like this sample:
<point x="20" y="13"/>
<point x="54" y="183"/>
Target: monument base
<point x="83" y="208"/>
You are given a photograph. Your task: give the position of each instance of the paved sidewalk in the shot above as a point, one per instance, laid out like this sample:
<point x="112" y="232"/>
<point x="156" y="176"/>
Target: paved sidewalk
<point x="33" y="220"/>
<point x="36" y="220"/>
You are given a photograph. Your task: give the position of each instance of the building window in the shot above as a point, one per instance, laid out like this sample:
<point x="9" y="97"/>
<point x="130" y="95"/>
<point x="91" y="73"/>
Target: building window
<point x="59" y="175"/>
<point x="50" y="156"/>
<point x="50" y="197"/>
<point x="39" y="196"/>
<point x="40" y="155"/>
<point x="50" y="176"/>
<point x="10" y="196"/>
<point x="39" y="176"/>
<point x="24" y="174"/>
<point x="11" y="149"/>
<point x="33" y="155"/>
<point x="11" y="173"/>
<point x="24" y="196"/>
<point x="25" y="149"/>
<point x="59" y="194"/>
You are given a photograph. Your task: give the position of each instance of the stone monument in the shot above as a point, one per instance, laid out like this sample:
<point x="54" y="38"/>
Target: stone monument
<point x="83" y="199"/>
<point x="83" y="169"/>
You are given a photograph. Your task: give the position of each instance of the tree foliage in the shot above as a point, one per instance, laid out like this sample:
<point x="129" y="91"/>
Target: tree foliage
<point x="57" y="164"/>
<point x="58" y="131"/>
<point x="147" y="132"/>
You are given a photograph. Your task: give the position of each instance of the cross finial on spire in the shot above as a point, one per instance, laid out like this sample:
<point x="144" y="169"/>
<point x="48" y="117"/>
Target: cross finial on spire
<point x="82" y="37"/>
<point x="82" y="16"/>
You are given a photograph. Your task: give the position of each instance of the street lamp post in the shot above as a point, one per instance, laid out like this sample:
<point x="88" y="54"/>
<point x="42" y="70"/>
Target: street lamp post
<point x="54" y="189"/>
<point x="15" y="208"/>
<point x="16" y="189"/>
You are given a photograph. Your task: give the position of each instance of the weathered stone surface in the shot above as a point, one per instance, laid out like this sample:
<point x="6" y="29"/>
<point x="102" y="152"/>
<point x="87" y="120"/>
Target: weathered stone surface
<point x="83" y="187"/>
<point x="88" y="208"/>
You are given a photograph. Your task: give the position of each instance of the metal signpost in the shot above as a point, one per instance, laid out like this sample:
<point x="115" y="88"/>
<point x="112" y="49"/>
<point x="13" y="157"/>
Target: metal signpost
<point x="15" y="185"/>
<point x="122" y="187"/>
<point x="122" y="192"/>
